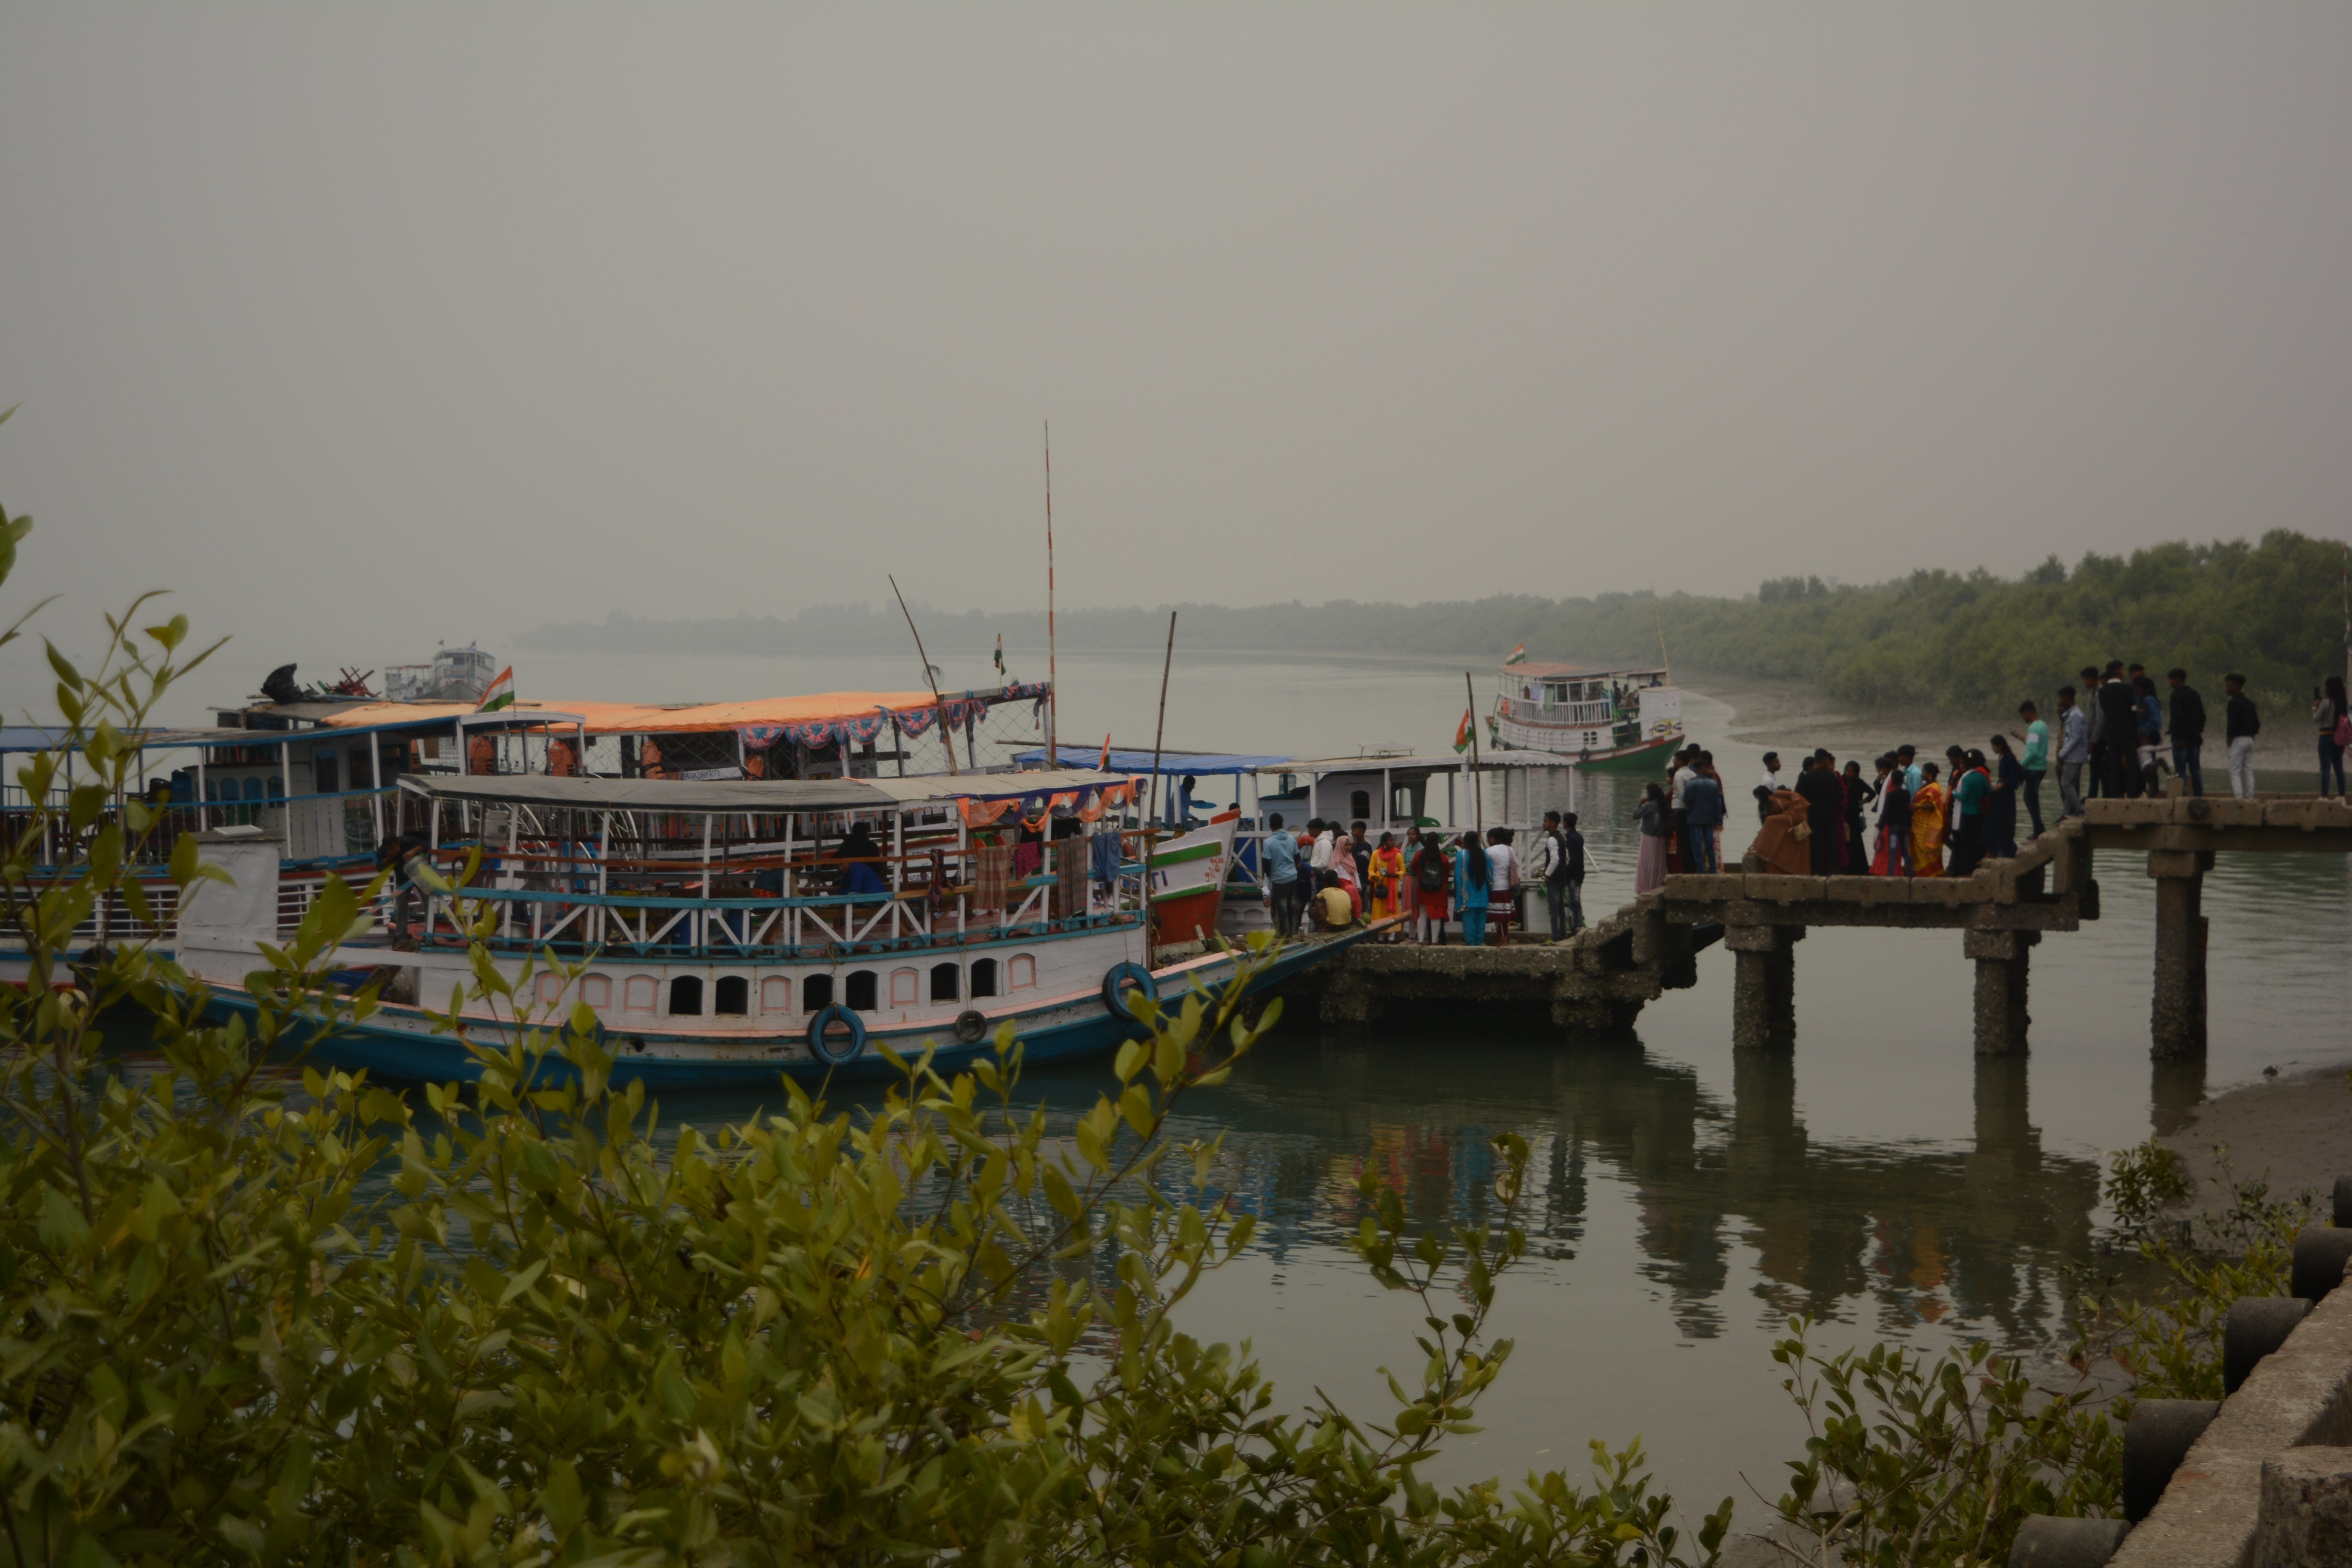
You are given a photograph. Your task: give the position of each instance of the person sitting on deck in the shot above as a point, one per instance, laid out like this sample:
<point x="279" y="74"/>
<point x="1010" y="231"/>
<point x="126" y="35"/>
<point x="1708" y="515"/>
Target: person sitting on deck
<point x="1334" y="910"/>
<point x="1783" y="843"/>
<point x="860" y="874"/>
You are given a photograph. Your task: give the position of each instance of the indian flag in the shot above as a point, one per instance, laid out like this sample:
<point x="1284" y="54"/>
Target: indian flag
<point x="501" y="694"/>
<point x="1518" y="655"/>
<point x="1462" y="732"/>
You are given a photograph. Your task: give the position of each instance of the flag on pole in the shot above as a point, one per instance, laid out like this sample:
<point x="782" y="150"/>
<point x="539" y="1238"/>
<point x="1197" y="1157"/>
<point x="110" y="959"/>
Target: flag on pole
<point x="501" y="694"/>
<point x="1462" y="732"/>
<point x="1104" y="766"/>
<point x="1000" y="655"/>
<point x="1518" y="655"/>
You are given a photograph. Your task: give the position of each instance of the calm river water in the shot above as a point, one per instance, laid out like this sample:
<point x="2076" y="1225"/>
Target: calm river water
<point x="1682" y="1203"/>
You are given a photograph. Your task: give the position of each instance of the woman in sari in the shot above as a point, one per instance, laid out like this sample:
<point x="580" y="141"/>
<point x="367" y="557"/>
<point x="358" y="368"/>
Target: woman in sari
<point x="1650" y="868"/>
<point x="1472" y="874"/>
<point x="1785" y="842"/>
<point x="1388" y="878"/>
<point x="1928" y="824"/>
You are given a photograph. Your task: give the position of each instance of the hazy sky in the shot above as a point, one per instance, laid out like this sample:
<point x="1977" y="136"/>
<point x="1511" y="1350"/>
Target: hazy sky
<point x="364" y="327"/>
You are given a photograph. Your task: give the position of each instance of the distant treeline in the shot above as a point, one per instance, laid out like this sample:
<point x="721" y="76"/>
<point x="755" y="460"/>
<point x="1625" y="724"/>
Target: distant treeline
<point x="2272" y="610"/>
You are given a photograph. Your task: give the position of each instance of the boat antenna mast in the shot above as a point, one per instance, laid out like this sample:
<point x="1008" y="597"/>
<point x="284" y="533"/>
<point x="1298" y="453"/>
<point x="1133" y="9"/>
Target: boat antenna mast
<point x="947" y="736"/>
<point x="1151" y="810"/>
<point x="1053" y="672"/>
<point x="1658" y="617"/>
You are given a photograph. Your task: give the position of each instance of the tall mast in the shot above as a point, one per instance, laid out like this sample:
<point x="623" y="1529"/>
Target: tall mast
<point x="1053" y="673"/>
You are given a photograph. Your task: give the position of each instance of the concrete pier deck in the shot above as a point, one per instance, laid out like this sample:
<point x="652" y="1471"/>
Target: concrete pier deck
<point x="1601" y="978"/>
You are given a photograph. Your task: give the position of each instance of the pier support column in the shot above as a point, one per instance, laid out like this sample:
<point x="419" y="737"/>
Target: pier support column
<point x="2176" y="1022"/>
<point x="2002" y="974"/>
<point x="1763" y="987"/>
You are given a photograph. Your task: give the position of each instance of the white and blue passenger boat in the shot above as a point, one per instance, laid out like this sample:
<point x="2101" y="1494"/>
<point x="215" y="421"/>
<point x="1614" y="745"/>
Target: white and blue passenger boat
<point x="724" y="931"/>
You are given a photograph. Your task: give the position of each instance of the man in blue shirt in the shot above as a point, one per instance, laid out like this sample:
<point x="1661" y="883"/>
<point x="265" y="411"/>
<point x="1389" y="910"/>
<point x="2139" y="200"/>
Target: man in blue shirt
<point x="1703" y="812"/>
<point x="1280" y="851"/>
<point x="2074" y="752"/>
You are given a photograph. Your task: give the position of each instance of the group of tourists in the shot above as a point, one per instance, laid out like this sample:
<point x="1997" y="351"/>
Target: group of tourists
<point x="2116" y="736"/>
<point x="1330" y="875"/>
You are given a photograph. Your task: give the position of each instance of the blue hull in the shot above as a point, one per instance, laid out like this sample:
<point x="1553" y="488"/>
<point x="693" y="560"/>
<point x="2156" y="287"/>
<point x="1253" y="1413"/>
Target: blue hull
<point x="412" y="1056"/>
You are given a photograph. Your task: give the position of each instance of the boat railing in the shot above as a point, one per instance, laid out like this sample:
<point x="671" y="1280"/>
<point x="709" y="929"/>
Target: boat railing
<point x="1567" y="713"/>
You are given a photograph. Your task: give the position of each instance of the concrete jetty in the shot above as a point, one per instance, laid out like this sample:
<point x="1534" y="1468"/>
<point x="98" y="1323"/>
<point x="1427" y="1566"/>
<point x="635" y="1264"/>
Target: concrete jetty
<point x="1601" y="978"/>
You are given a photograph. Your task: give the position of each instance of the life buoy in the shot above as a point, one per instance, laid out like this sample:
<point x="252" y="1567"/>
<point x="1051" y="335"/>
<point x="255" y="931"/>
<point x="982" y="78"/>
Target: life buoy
<point x="971" y="1025"/>
<point x="1123" y="978"/>
<point x="820" y="1030"/>
<point x="1585" y="756"/>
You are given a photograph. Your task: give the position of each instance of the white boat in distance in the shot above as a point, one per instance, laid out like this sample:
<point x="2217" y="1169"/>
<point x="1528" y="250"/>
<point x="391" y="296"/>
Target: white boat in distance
<point x="1604" y="718"/>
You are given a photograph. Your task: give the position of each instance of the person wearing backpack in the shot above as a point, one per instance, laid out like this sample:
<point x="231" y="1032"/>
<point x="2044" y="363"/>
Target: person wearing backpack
<point x="1559" y="866"/>
<point x="1432" y="876"/>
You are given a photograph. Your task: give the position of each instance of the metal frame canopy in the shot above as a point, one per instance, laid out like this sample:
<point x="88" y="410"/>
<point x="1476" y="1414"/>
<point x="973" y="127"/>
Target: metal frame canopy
<point x="1176" y="764"/>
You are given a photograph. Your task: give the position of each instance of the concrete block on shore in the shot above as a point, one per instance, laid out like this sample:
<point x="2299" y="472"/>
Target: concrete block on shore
<point x="2306" y="1509"/>
<point x="1870" y="890"/>
<point x="1787" y="889"/>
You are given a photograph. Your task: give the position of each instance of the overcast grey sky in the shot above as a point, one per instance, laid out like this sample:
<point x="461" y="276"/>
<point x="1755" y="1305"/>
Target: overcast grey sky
<point x="366" y="326"/>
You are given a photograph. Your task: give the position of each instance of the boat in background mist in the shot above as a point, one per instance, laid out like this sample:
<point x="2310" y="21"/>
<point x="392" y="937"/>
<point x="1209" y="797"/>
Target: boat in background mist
<point x="1613" y="719"/>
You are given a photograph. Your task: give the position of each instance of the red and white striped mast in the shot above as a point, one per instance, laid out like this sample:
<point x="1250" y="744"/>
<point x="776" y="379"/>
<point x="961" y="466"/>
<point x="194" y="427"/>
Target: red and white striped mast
<point x="1053" y="676"/>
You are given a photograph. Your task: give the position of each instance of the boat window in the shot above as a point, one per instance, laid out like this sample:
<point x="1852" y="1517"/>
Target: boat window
<point x="640" y="994"/>
<point x="550" y="991"/>
<point x="1021" y="974"/>
<point x="776" y="995"/>
<point x="1359" y="804"/>
<point x="323" y="772"/>
<point x="732" y="996"/>
<point x="596" y="990"/>
<point x="983" y="977"/>
<point x="686" y="995"/>
<point x="859" y="992"/>
<point x="816" y="992"/>
<point x="906" y="988"/>
<point x="943" y="982"/>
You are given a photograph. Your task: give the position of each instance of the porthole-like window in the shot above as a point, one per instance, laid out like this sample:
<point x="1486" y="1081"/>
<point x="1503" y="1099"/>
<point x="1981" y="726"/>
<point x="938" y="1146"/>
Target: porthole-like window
<point x="816" y="992"/>
<point x="731" y="997"/>
<point x="776" y="995"/>
<point x="906" y="988"/>
<point x="1359" y="804"/>
<point x="858" y="993"/>
<point x="943" y="982"/>
<point x="983" y="977"/>
<point x="686" y="995"/>
<point x="596" y="990"/>
<point x="1021" y="974"/>
<point x="640" y="994"/>
<point x="551" y="990"/>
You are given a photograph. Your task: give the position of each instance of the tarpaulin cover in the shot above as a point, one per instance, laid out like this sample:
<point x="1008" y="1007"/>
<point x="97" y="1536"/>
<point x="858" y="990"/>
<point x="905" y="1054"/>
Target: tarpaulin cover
<point x="1175" y="764"/>
<point x="815" y="721"/>
<point x="654" y="795"/>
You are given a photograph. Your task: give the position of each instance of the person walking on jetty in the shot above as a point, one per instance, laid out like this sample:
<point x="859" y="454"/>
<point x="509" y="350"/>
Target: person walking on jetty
<point x="1824" y="807"/>
<point x="2151" y="734"/>
<point x="2034" y="764"/>
<point x="1281" y="885"/>
<point x="2240" y="725"/>
<point x="2120" y="728"/>
<point x="1851" y="841"/>
<point x="1433" y="878"/>
<point x="2095" y="771"/>
<point x="1703" y="813"/>
<point x="1502" y="886"/>
<point x="1473" y="872"/>
<point x="1388" y="878"/>
<point x="1656" y="823"/>
<point x="1971" y="793"/>
<point x="2000" y="810"/>
<point x="2188" y="731"/>
<point x="1928" y="824"/>
<point x="1906" y="762"/>
<point x="2074" y="753"/>
<point x="2334" y="721"/>
<point x="1685" y="769"/>
<point x="1572" y="873"/>
<point x="1893" y="821"/>
<point x="1768" y="786"/>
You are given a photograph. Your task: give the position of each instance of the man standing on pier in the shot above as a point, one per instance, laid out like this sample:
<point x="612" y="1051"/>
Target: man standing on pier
<point x="2036" y="761"/>
<point x="1282" y="884"/>
<point x="1824" y="805"/>
<point x="2188" y="731"/>
<point x="2074" y="752"/>
<point x="2120" y="728"/>
<point x="2240" y="724"/>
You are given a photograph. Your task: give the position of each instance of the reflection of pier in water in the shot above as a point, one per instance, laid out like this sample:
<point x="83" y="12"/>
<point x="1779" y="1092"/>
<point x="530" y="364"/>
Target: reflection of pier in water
<point x="1923" y="1234"/>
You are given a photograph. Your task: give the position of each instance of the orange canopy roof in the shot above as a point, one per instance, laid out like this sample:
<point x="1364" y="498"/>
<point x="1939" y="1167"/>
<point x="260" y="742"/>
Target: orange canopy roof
<point x="638" y="719"/>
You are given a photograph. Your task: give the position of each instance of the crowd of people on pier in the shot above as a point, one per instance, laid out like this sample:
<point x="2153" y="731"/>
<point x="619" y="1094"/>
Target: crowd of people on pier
<point x="1331" y="875"/>
<point x="2115" y="736"/>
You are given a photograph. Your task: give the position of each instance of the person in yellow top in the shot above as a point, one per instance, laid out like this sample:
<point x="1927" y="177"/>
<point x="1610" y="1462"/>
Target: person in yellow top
<point x="1388" y="878"/>
<point x="1928" y="825"/>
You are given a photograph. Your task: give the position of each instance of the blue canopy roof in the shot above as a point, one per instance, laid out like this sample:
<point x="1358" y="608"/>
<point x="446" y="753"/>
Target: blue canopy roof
<point x="1174" y="763"/>
<point x="30" y="738"/>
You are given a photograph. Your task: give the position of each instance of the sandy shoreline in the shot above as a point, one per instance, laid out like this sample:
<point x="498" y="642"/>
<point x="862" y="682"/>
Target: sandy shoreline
<point x="2293" y="1131"/>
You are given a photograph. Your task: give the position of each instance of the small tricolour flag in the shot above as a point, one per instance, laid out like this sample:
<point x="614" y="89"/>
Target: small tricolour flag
<point x="501" y="694"/>
<point x="1462" y="732"/>
<point x="1104" y="766"/>
<point x="1518" y="655"/>
<point x="1000" y="655"/>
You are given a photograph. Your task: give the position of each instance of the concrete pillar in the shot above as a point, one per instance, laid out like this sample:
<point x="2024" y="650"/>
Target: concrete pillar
<point x="1764" y="986"/>
<point x="2002" y="974"/>
<point x="2177" y="1024"/>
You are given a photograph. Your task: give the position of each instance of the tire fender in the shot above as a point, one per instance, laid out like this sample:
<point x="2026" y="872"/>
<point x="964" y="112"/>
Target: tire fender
<point x="1122" y="978"/>
<point x="820" y="1028"/>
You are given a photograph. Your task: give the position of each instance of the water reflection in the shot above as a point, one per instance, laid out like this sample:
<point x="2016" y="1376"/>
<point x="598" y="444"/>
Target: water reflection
<point x="1898" y="1235"/>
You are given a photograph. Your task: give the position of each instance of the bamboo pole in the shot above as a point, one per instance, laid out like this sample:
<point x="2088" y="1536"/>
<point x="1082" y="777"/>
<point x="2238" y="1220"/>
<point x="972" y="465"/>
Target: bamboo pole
<point x="1478" y="780"/>
<point x="1151" y="825"/>
<point x="947" y="736"/>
